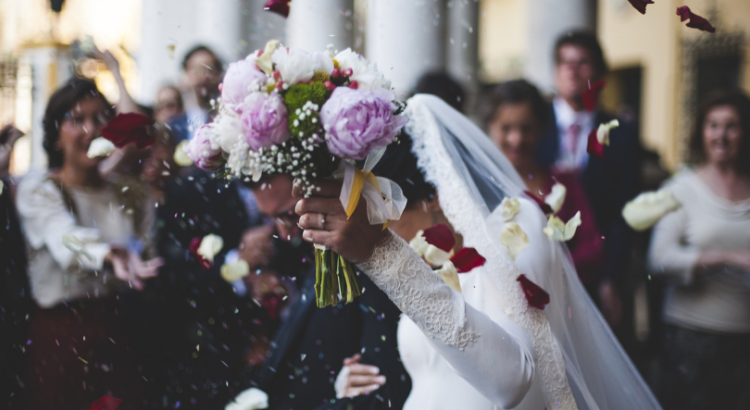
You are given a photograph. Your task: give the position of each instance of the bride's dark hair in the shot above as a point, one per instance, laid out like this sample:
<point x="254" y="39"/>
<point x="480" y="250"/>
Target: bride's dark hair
<point x="399" y="164"/>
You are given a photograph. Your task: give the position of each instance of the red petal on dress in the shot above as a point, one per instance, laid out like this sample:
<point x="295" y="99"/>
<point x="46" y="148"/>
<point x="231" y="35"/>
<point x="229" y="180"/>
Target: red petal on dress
<point x="467" y="259"/>
<point x="280" y="7"/>
<point x="440" y="236"/>
<point x="535" y="295"/>
<point x="696" y="21"/>
<point x="129" y="128"/>
<point x="590" y="96"/>
<point x="539" y="201"/>
<point x="640" y="5"/>
<point x="595" y="147"/>
<point x="105" y="403"/>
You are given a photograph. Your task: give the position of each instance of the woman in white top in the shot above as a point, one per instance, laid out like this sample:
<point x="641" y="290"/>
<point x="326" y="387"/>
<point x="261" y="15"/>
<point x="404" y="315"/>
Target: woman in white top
<point x="703" y="249"/>
<point x="484" y="347"/>
<point x="85" y="237"/>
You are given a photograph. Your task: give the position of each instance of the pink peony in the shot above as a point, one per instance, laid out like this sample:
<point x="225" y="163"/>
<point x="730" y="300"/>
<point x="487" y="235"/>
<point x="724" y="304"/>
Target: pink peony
<point x="264" y="120"/>
<point x="239" y="78"/>
<point x="201" y="153"/>
<point x="358" y="121"/>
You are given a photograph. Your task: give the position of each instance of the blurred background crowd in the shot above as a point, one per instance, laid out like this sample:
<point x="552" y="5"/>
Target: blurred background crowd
<point x="678" y="298"/>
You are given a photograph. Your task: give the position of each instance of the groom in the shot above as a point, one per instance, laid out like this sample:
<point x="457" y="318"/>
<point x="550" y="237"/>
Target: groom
<point x="312" y="343"/>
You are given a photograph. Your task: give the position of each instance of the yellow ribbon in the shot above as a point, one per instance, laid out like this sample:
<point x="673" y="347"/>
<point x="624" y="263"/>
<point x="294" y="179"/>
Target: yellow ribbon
<point x="357" y="184"/>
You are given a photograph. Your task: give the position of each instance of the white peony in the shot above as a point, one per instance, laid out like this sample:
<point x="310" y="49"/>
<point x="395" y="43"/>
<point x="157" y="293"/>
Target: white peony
<point x="210" y="245"/>
<point x="100" y="147"/>
<point x="181" y="157"/>
<point x="514" y="239"/>
<point x="602" y="133"/>
<point x="556" y="198"/>
<point x="449" y="273"/>
<point x="366" y="74"/>
<point x="250" y="399"/>
<point x="509" y="208"/>
<point x="227" y="131"/>
<point x="298" y="66"/>
<point x="235" y="270"/>
<point x="556" y="230"/>
<point x="648" y="208"/>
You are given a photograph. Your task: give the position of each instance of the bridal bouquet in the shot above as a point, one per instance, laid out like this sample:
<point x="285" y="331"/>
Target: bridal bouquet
<point x="308" y="115"/>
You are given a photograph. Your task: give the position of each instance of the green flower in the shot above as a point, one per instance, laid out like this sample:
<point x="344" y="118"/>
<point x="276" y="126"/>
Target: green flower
<point x="303" y="102"/>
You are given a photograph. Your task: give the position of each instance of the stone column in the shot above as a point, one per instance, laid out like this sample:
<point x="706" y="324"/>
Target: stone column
<point x="548" y="19"/>
<point x="462" y="47"/>
<point x="406" y="39"/>
<point x="219" y="25"/>
<point x="314" y="24"/>
<point x="261" y="26"/>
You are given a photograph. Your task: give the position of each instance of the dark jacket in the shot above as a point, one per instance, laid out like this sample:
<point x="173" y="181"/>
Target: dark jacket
<point x="310" y="346"/>
<point x="609" y="184"/>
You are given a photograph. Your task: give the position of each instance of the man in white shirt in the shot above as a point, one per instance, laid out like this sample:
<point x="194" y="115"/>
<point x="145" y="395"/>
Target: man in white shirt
<point x="203" y="74"/>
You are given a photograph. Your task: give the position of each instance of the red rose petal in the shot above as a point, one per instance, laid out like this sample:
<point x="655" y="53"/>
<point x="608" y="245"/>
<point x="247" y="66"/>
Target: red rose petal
<point x="535" y="295"/>
<point x="539" y="201"/>
<point x="590" y="96"/>
<point x="129" y="128"/>
<point x="440" y="236"/>
<point x="467" y="259"/>
<point x="105" y="403"/>
<point x="696" y="21"/>
<point x="280" y="7"/>
<point x="271" y="304"/>
<point x="193" y="248"/>
<point x="640" y="5"/>
<point x="594" y="147"/>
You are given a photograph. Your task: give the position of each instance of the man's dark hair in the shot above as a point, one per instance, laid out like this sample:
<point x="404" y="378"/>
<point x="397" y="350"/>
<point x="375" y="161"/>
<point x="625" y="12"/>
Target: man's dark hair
<point x="515" y="92"/>
<point x="59" y="105"/>
<point x="444" y="86"/>
<point x="200" y="48"/>
<point x="585" y="40"/>
<point x="741" y="104"/>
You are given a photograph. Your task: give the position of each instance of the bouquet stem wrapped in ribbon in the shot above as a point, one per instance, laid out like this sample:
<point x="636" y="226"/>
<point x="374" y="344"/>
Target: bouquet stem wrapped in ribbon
<point x="309" y="116"/>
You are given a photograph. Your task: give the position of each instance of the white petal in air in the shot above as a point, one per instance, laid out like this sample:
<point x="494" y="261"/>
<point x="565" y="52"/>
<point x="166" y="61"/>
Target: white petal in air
<point x="436" y="256"/>
<point x="235" y="270"/>
<point x="514" y="239"/>
<point x="556" y="198"/>
<point x="77" y="246"/>
<point x="556" y="230"/>
<point x="509" y="208"/>
<point x="210" y="245"/>
<point x="419" y="244"/>
<point x="181" y="157"/>
<point x="449" y="273"/>
<point x="250" y="399"/>
<point x="648" y="208"/>
<point x="602" y="133"/>
<point x="100" y="147"/>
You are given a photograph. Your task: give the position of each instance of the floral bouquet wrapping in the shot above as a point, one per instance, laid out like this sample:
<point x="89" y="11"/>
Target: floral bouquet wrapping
<point x="287" y="111"/>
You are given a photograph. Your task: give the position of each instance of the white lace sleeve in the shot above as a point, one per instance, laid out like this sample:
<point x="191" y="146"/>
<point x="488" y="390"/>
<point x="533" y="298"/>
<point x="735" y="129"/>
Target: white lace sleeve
<point x="496" y="358"/>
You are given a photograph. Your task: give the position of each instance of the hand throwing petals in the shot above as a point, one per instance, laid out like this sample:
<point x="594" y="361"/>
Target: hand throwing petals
<point x="466" y="259"/>
<point x="509" y="208"/>
<point x="556" y="198"/>
<point x="696" y="21"/>
<point x="590" y="96"/>
<point x="648" y="208"/>
<point x="234" y="271"/>
<point x="535" y="296"/>
<point x="514" y="239"/>
<point x="556" y="230"/>
<point x="250" y="399"/>
<point x="449" y="274"/>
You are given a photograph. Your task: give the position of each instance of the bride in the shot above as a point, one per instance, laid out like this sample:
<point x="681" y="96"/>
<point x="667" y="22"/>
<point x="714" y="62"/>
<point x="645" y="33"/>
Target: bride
<point x="484" y="347"/>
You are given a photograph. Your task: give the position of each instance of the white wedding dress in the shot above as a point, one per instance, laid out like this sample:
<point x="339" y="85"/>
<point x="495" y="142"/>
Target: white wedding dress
<point x="485" y="348"/>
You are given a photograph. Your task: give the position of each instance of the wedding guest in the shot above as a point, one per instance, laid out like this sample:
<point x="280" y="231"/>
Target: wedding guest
<point x="203" y="73"/>
<point x="703" y="249"/>
<point x="515" y="115"/>
<point x="312" y="342"/>
<point x="86" y="237"/>
<point x="608" y="183"/>
<point x="168" y="104"/>
<point x="442" y="85"/>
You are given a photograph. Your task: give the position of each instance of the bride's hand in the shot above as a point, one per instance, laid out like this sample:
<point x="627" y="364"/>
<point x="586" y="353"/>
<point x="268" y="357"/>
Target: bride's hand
<point x="324" y="222"/>
<point x="360" y="379"/>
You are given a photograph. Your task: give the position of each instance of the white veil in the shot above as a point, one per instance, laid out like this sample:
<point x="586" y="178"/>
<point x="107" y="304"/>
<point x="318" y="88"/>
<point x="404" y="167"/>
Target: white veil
<point x="570" y="336"/>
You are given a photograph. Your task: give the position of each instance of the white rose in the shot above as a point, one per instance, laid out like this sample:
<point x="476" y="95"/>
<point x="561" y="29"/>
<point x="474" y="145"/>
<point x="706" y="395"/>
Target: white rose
<point x="181" y="157"/>
<point x="556" y="230"/>
<point x="556" y="198"/>
<point x="235" y="270"/>
<point x="227" y="131"/>
<point x="366" y="74"/>
<point x="210" y="245"/>
<point x="100" y="147"/>
<point x="648" y="208"/>
<point x="250" y="399"/>
<point x="449" y="273"/>
<point x="509" y="208"/>
<point x="514" y="239"/>
<point x="602" y="133"/>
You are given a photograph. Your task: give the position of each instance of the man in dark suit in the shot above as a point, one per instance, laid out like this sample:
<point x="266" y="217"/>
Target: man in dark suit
<point x="609" y="182"/>
<point x="312" y="343"/>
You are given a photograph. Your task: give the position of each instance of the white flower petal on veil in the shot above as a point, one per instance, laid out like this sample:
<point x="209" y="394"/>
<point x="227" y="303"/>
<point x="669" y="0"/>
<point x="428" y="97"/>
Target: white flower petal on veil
<point x="509" y="208"/>
<point x="514" y="239"/>
<point x="556" y="198"/>
<point x="556" y="230"/>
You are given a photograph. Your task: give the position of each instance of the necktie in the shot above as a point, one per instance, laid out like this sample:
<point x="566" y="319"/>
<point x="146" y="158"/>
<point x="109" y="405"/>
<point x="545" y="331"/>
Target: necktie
<point x="571" y="140"/>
